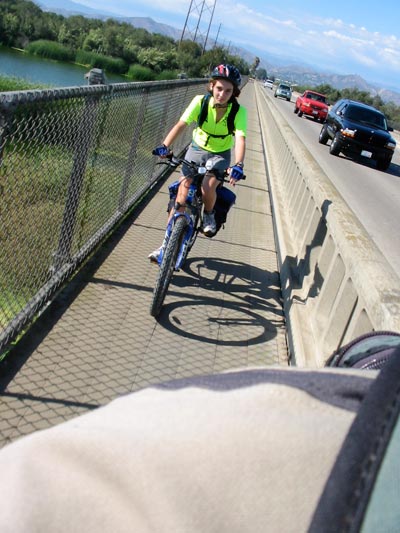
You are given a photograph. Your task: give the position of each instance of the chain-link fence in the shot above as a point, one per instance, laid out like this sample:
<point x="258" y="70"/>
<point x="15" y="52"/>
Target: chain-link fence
<point x="72" y="162"/>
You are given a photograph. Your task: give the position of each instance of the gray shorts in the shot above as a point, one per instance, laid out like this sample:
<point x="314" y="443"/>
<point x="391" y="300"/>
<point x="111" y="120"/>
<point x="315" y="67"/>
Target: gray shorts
<point x="197" y="155"/>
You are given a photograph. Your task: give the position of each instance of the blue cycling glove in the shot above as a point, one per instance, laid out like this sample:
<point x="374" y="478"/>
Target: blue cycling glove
<point x="236" y="172"/>
<point x="161" y="151"/>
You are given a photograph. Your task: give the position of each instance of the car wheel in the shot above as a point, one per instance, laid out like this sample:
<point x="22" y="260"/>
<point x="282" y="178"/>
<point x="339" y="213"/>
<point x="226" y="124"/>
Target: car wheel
<point x="384" y="163"/>
<point x="323" y="135"/>
<point x="300" y="113"/>
<point x="336" y="145"/>
<point x="295" y="110"/>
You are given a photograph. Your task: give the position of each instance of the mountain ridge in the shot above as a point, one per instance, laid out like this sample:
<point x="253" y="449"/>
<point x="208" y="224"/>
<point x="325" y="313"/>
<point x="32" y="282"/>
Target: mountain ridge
<point x="292" y="71"/>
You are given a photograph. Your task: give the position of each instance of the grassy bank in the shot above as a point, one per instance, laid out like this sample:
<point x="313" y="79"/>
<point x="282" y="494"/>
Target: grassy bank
<point x="17" y="84"/>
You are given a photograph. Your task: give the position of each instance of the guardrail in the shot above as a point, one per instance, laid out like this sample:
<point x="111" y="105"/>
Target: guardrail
<point x="73" y="162"/>
<point x="336" y="284"/>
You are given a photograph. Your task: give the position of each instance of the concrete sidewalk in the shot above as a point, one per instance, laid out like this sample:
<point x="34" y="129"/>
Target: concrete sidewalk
<point x="98" y="340"/>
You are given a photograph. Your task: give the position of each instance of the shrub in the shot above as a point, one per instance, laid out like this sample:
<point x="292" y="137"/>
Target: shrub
<point x="17" y="84"/>
<point x="140" y="73"/>
<point x="50" y="50"/>
<point x="167" y="75"/>
<point x="94" y="60"/>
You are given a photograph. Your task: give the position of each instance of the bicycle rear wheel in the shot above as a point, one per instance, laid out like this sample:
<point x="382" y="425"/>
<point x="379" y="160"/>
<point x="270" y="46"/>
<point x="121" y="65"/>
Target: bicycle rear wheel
<point x="168" y="265"/>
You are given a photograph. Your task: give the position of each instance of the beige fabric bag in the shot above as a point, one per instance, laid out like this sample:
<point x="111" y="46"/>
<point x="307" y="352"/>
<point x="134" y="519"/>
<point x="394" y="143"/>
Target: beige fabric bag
<point x="246" y="451"/>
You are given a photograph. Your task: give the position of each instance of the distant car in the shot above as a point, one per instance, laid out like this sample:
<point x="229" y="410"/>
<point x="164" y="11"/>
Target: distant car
<point x="358" y="130"/>
<point x="284" y="91"/>
<point x="312" y="104"/>
<point x="268" y="84"/>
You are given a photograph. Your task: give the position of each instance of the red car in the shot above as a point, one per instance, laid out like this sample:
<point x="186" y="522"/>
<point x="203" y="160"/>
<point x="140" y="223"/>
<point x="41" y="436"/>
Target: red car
<point x="312" y="104"/>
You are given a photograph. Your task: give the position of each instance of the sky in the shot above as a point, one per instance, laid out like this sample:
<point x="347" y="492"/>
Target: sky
<point x="343" y="37"/>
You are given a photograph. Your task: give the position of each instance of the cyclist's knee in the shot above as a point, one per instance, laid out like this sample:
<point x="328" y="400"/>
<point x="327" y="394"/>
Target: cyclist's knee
<point x="185" y="183"/>
<point x="210" y="182"/>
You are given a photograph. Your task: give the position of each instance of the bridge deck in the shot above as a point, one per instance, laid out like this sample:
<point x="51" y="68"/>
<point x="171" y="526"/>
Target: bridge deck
<point x="97" y="340"/>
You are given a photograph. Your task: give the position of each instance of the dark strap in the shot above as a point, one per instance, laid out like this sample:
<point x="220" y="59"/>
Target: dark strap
<point x="345" y="498"/>
<point x="203" y="110"/>
<point x="230" y="121"/>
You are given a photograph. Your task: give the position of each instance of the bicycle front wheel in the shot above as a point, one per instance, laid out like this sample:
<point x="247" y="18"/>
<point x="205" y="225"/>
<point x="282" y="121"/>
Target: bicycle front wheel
<point x="168" y="265"/>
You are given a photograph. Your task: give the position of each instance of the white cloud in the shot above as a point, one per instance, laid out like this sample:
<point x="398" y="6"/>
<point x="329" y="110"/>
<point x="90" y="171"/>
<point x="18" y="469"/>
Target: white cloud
<point x="391" y="58"/>
<point x="363" y="59"/>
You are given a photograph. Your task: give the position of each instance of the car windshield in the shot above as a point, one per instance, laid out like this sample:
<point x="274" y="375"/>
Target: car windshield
<point x="317" y="97"/>
<point x="285" y="87"/>
<point x="367" y="116"/>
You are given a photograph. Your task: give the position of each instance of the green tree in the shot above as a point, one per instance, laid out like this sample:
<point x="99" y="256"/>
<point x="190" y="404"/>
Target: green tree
<point x="261" y="74"/>
<point x="94" y="42"/>
<point x="142" y="38"/>
<point x="254" y="66"/>
<point x="157" y="60"/>
<point x="188" y="57"/>
<point x="130" y="51"/>
<point x="10" y="29"/>
<point x="113" y="43"/>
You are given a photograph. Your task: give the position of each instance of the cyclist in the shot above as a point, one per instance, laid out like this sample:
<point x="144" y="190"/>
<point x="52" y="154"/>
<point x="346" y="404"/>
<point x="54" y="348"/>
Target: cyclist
<point x="211" y="138"/>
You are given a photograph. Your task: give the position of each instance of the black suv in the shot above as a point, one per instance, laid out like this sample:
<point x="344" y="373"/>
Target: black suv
<point x="357" y="129"/>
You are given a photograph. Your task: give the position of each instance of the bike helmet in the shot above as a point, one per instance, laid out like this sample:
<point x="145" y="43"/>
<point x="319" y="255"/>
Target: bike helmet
<point x="227" y="72"/>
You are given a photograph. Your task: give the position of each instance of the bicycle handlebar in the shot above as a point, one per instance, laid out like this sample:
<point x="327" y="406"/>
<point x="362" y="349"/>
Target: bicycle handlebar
<point x="174" y="162"/>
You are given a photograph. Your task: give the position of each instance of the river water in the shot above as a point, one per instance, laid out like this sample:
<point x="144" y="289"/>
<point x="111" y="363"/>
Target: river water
<point x="45" y="71"/>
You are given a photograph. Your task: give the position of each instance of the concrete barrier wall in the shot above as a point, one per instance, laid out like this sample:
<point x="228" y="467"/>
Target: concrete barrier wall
<point x="336" y="284"/>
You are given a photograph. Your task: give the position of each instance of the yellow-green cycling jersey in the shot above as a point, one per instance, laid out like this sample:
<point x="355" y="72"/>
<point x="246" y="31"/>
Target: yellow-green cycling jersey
<point x="202" y="136"/>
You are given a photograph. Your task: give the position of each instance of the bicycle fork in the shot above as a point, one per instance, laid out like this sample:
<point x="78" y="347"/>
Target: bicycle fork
<point x="186" y="241"/>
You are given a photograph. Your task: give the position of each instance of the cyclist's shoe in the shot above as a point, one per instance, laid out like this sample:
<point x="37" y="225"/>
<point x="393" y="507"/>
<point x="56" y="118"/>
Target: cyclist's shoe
<point x="155" y="255"/>
<point x="209" y="225"/>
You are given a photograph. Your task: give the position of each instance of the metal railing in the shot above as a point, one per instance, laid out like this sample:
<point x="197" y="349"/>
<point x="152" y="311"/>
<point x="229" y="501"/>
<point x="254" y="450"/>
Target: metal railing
<point x="73" y="162"/>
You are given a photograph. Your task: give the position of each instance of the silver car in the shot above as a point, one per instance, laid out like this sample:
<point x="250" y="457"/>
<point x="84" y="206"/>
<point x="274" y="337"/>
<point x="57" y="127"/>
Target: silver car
<point x="284" y="91"/>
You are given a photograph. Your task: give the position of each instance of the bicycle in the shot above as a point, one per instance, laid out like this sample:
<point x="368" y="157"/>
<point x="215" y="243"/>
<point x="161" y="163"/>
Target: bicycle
<point x="182" y="230"/>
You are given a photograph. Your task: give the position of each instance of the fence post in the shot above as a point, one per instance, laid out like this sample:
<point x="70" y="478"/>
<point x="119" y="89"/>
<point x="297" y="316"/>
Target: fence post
<point x="133" y="148"/>
<point x="83" y="143"/>
<point x="5" y="120"/>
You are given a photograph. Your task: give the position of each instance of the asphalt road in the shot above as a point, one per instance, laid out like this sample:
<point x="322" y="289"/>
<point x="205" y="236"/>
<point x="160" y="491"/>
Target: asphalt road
<point x="373" y="195"/>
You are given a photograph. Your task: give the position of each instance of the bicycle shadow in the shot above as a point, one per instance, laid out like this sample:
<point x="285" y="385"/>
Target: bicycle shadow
<point x="251" y="311"/>
<point x="251" y="284"/>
